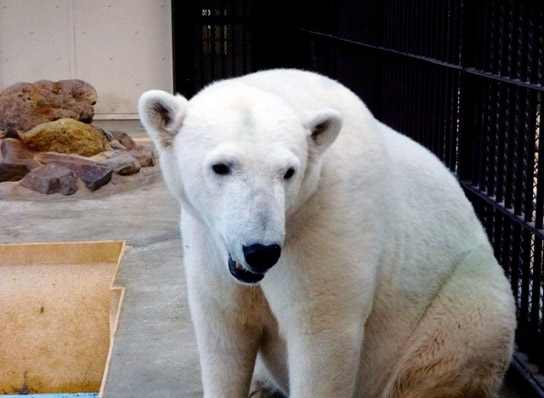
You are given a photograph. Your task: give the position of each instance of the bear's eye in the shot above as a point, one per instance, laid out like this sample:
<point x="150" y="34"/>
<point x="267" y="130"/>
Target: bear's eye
<point x="221" y="169"/>
<point x="289" y="173"/>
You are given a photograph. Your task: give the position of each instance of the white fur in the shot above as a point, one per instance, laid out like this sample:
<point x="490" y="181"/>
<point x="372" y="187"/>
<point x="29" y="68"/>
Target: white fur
<point x="386" y="286"/>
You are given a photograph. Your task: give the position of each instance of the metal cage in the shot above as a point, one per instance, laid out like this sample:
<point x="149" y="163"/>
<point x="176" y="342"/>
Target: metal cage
<point x="463" y="78"/>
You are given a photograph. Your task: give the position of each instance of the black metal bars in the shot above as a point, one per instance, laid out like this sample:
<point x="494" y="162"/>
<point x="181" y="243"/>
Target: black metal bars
<point x="217" y="39"/>
<point x="213" y="40"/>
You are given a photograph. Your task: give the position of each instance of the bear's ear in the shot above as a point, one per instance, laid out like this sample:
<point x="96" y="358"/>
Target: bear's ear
<point x="324" y="128"/>
<point x="162" y="115"/>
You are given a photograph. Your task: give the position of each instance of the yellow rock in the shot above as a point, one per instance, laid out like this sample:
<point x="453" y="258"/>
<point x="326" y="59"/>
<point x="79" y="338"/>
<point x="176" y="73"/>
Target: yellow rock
<point x="65" y="136"/>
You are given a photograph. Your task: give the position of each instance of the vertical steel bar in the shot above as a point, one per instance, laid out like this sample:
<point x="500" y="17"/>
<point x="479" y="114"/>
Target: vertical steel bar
<point x="441" y="34"/>
<point x="514" y="269"/>
<point x="203" y="60"/>
<point x="520" y="140"/>
<point x="492" y="138"/>
<point x="467" y="135"/>
<point x="535" y="320"/>
<point x="486" y="120"/>
<point x="502" y="113"/>
<point x="525" y="263"/>
<point x="507" y="260"/>
<point x="446" y="120"/>
<point x="509" y="130"/>
<point x="443" y="124"/>
<point x="222" y="46"/>
<point x="450" y="42"/>
<point x="530" y="132"/>
<point x="428" y="32"/>
<point x="233" y="49"/>
<point x="435" y="99"/>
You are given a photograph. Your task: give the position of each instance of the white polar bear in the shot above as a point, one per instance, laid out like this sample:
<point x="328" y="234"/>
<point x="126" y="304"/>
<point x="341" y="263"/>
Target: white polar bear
<point x="339" y="252"/>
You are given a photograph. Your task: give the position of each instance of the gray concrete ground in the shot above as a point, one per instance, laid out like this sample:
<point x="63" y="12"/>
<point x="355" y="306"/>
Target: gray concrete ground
<point x="155" y="352"/>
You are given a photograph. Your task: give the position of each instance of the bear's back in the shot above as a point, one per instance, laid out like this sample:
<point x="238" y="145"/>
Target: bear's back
<point x="308" y="92"/>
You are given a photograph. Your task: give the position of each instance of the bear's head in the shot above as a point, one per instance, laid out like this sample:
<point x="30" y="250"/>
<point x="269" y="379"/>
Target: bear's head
<point x="241" y="161"/>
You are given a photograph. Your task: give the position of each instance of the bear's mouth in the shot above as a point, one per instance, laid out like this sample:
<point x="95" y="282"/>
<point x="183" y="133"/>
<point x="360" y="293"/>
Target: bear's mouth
<point x="242" y="274"/>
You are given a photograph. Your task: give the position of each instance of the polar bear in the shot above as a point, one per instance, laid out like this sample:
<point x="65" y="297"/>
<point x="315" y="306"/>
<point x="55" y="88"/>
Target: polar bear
<point x="340" y="256"/>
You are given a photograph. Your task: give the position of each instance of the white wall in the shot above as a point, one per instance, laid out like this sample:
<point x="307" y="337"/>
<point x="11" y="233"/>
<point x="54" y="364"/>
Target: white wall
<point x="121" y="47"/>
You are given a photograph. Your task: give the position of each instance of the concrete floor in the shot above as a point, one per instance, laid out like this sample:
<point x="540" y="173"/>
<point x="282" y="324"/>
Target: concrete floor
<point x="155" y="352"/>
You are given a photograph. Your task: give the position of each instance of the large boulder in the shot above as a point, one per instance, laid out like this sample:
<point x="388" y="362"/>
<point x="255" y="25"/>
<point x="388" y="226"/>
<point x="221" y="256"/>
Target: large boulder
<point x="65" y="136"/>
<point x="93" y="174"/>
<point x="23" y="106"/>
<point x="51" y="178"/>
<point x="94" y="177"/>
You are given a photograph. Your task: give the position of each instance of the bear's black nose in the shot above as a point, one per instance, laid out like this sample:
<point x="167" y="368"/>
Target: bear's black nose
<point x="261" y="257"/>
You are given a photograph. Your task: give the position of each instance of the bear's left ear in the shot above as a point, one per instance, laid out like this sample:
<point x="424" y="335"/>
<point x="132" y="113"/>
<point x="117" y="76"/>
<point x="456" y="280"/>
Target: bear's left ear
<point x="324" y="127"/>
<point x="162" y="115"/>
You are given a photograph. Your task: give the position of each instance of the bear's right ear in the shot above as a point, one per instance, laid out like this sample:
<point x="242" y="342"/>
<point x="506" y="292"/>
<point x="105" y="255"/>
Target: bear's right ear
<point x="324" y="127"/>
<point x="162" y="115"/>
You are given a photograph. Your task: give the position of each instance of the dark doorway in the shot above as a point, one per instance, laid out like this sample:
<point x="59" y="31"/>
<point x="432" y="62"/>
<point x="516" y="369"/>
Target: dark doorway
<point x="214" y="39"/>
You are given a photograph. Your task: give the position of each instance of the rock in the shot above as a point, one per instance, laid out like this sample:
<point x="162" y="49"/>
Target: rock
<point x="51" y="178"/>
<point x="123" y="163"/>
<point x="117" y="145"/>
<point x="23" y="106"/>
<point x="94" y="176"/>
<point x="145" y="156"/>
<point x="102" y="156"/>
<point x="54" y="157"/>
<point x="105" y="133"/>
<point x="65" y="136"/>
<point x="13" y="170"/>
<point x="124" y="139"/>
<point x="13" y="150"/>
<point x="16" y="160"/>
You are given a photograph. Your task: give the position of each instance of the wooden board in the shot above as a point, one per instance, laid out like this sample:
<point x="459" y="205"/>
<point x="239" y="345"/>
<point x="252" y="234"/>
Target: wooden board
<point x="58" y="315"/>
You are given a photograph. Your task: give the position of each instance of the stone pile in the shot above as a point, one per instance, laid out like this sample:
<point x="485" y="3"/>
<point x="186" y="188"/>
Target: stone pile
<point x="48" y="145"/>
<point x="50" y="172"/>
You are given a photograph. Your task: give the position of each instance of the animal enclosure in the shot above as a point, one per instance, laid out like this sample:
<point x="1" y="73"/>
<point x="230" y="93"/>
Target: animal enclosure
<point x="463" y="78"/>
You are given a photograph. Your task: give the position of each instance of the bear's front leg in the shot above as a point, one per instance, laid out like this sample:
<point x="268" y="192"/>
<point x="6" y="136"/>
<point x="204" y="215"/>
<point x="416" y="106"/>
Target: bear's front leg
<point x="226" y="316"/>
<point x="322" y="318"/>
<point x="228" y="334"/>
<point x="324" y="359"/>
